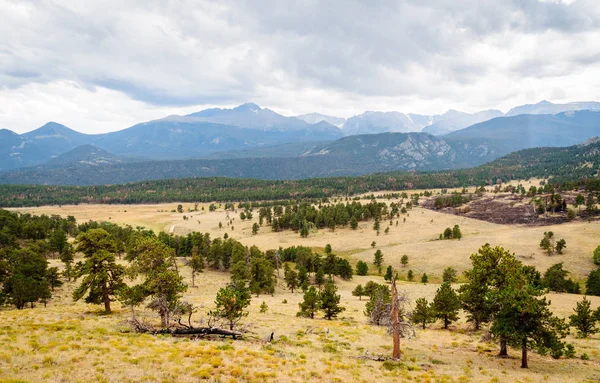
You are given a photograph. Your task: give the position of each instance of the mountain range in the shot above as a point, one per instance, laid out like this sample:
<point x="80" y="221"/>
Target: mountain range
<point x="222" y="142"/>
<point x="352" y="155"/>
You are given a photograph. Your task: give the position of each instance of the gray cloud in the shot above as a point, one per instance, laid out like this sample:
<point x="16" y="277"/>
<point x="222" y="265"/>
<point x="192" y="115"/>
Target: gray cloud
<point x="351" y="55"/>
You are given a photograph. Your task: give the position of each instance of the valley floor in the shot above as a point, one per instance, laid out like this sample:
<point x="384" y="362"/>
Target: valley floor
<point x="75" y="342"/>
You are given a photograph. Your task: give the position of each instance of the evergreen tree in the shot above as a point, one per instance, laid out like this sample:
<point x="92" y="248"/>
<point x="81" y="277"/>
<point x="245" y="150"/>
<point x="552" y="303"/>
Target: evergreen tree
<point x="329" y="301"/>
<point x="424" y="278"/>
<point x="291" y="279"/>
<point x="492" y="270"/>
<point x="67" y="257"/>
<point x="526" y="321"/>
<point x="449" y="275"/>
<point x="53" y="278"/>
<point x="319" y="277"/>
<point x="456" y="233"/>
<point x="446" y="304"/>
<point x="404" y="260"/>
<point x="378" y="260"/>
<point x="310" y="305"/>
<point x="102" y="278"/>
<point x="376" y="225"/>
<point x="353" y="223"/>
<point x="583" y="319"/>
<point x="261" y="275"/>
<point x="231" y="303"/>
<point x="155" y="261"/>
<point x="560" y="245"/>
<point x="358" y="292"/>
<point x="555" y="280"/>
<point x="592" y="284"/>
<point x="132" y="296"/>
<point x="362" y="268"/>
<point x="423" y="313"/>
<point x="343" y="268"/>
<point x="255" y="228"/>
<point x="596" y="256"/>
<point x="447" y="233"/>
<point x="25" y="273"/>
<point x="303" y="276"/>
<point x="410" y="276"/>
<point x="388" y="274"/>
<point x="196" y="263"/>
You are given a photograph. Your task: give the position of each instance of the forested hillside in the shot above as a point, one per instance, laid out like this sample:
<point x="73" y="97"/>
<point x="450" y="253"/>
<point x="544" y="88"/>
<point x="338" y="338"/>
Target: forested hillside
<point x="572" y="164"/>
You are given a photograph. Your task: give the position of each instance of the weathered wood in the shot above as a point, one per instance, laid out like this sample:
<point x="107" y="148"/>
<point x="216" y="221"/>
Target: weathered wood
<point x="395" y="320"/>
<point x="199" y="331"/>
<point x="183" y="330"/>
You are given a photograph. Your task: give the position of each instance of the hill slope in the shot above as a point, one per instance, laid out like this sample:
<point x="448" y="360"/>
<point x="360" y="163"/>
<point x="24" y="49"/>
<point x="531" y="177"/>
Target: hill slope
<point x="564" y="164"/>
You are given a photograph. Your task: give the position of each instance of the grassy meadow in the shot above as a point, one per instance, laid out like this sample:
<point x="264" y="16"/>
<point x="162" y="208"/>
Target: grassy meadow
<point x="74" y="342"/>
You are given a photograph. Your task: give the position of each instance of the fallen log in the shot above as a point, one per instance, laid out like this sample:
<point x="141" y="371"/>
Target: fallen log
<point x="200" y="331"/>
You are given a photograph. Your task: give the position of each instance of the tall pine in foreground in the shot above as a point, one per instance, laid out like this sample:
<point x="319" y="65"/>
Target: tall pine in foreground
<point x="330" y="301"/>
<point x="446" y="304"/>
<point x="525" y="320"/>
<point x="102" y="276"/>
<point x="583" y="319"/>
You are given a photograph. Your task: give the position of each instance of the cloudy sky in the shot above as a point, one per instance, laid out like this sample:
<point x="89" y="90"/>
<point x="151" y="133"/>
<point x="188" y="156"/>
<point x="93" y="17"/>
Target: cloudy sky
<point x="104" y="65"/>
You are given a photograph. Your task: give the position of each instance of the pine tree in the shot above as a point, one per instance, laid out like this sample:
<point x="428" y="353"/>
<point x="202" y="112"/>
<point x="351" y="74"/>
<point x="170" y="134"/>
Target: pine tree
<point x="410" y="276"/>
<point x="456" y="233"/>
<point x="388" y="274"/>
<point x="53" y="278"/>
<point x="423" y="313"/>
<point x="303" y="276"/>
<point x="329" y="301"/>
<point x="446" y="304"/>
<point x="592" y="284"/>
<point x="449" y="275"/>
<point x="155" y="261"/>
<point x="404" y="260"/>
<point x="196" y="263"/>
<point x="378" y="260"/>
<point x="583" y="319"/>
<point x="291" y="279"/>
<point x="261" y="275"/>
<point x="358" y="292"/>
<point x="319" y="277"/>
<point x="492" y="269"/>
<point x="26" y="271"/>
<point x="310" y="305"/>
<point x="424" y="278"/>
<point x="362" y="268"/>
<point x="102" y="278"/>
<point x="525" y="320"/>
<point x="231" y="303"/>
<point x="596" y="256"/>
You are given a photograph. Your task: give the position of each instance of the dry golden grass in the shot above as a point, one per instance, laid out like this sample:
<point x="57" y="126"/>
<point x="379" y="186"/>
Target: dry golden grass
<point x="75" y="342"/>
<point x="416" y="235"/>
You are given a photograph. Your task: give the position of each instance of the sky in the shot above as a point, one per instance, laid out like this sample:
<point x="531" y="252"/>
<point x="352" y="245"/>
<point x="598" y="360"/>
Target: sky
<point x="99" y="66"/>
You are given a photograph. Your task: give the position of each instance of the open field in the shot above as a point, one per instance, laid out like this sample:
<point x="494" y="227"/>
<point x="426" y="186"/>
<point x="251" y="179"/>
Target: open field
<point x="74" y="342"/>
<point x="415" y="234"/>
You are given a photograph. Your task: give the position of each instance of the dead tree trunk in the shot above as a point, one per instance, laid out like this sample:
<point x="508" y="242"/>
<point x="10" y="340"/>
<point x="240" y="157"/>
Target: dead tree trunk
<point x="395" y="320"/>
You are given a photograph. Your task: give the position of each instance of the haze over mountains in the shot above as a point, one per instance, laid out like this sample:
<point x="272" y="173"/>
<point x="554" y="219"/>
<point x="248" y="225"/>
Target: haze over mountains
<point x="250" y="141"/>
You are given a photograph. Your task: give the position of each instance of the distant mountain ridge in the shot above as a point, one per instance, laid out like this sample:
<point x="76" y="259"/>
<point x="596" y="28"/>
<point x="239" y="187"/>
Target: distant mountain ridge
<point x="251" y="131"/>
<point x="347" y="156"/>
<point x="313" y="118"/>
<point x="174" y="137"/>
<point x="546" y="107"/>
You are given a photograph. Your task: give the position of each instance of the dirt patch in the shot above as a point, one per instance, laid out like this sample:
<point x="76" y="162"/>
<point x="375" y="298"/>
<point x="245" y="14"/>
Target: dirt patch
<point x="507" y="209"/>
